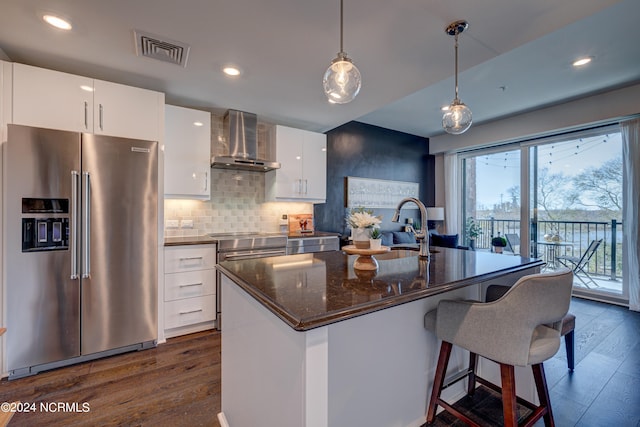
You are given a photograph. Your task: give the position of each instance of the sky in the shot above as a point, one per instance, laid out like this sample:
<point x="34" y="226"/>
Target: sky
<point x="496" y="173"/>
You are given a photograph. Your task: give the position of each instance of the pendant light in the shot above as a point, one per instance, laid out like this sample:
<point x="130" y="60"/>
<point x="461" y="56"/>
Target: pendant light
<point x="457" y="119"/>
<point x="342" y="79"/>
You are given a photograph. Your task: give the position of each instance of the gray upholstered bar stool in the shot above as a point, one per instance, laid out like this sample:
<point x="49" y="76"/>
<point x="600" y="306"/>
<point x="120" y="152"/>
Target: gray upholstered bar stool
<point x="567" y="327"/>
<point x="512" y="331"/>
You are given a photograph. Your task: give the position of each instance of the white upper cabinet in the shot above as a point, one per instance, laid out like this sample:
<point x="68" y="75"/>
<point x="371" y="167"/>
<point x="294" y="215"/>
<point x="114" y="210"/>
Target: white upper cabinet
<point x="51" y="99"/>
<point x="187" y="149"/>
<point x="126" y="111"/>
<point x="303" y="172"/>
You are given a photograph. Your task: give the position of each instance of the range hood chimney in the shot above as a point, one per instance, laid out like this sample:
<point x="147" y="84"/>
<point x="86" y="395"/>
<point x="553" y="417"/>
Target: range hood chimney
<point x="240" y="150"/>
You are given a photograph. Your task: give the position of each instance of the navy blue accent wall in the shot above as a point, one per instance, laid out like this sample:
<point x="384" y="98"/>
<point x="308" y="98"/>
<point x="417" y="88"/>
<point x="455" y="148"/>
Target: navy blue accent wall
<point x="360" y="150"/>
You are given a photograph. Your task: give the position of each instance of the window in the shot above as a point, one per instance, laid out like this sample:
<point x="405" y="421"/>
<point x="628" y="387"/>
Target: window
<point x="492" y="194"/>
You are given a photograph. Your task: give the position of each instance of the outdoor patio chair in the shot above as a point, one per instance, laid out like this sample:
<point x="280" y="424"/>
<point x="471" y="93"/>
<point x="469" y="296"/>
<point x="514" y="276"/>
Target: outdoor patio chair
<point x="512" y="240"/>
<point x="581" y="264"/>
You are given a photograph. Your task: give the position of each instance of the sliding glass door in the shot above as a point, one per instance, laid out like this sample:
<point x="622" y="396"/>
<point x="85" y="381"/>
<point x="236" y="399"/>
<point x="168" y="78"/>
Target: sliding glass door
<point x="576" y="208"/>
<point x="570" y="213"/>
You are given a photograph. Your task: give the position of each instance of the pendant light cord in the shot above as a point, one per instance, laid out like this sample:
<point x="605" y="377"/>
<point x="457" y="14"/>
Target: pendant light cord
<point x="457" y="118"/>
<point x="456" y="49"/>
<point x="341" y="23"/>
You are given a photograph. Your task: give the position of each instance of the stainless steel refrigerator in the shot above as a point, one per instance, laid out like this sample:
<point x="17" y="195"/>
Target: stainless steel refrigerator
<point x="80" y="221"/>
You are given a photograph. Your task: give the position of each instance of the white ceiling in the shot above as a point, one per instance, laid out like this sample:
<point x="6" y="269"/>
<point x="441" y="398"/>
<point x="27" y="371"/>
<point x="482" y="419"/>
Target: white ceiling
<point x="284" y="47"/>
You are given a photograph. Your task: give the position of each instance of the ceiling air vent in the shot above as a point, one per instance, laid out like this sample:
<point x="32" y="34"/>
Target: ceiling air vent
<point x="161" y="48"/>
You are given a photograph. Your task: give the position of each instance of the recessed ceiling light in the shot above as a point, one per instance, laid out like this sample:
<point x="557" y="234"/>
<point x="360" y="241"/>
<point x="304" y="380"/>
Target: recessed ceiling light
<point x="231" y="71"/>
<point x="56" y="21"/>
<point x="582" y="61"/>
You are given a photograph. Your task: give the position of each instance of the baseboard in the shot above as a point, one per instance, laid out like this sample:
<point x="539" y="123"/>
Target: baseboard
<point x="190" y="329"/>
<point x="222" y="420"/>
<point x="601" y="297"/>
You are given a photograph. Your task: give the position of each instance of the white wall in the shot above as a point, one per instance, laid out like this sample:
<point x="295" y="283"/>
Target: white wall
<point x="160" y="210"/>
<point x="439" y="177"/>
<point x="5" y="117"/>
<point x="592" y="110"/>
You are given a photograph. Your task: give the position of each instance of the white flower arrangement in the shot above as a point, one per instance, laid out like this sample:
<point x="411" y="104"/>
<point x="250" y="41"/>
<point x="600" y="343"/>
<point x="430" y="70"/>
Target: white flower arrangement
<point x="361" y="218"/>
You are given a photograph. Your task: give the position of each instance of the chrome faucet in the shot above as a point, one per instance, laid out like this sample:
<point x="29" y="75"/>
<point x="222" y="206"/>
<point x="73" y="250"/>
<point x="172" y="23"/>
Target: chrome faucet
<point x="422" y="234"/>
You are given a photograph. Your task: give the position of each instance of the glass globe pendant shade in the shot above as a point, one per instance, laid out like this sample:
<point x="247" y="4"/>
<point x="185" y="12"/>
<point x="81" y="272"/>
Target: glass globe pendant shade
<point x="457" y="119"/>
<point x="342" y="80"/>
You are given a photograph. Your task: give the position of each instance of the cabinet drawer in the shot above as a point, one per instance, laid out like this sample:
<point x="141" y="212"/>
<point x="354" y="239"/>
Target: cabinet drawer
<point x="189" y="311"/>
<point x="189" y="258"/>
<point x="189" y="284"/>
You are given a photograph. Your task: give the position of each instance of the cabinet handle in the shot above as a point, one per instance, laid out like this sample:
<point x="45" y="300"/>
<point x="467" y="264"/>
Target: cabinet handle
<point x="191" y="284"/>
<point x="86" y="115"/>
<point x="206" y="181"/>
<point x="191" y="258"/>
<point x="86" y="226"/>
<point x="190" y="311"/>
<point x="299" y="186"/>
<point x="306" y="186"/>
<point x="101" y="117"/>
<point x="75" y="177"/>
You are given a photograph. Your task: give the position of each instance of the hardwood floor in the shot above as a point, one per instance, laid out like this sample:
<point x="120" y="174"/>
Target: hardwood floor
<point x="175" y="384"/>
<point x="178" y="383"/>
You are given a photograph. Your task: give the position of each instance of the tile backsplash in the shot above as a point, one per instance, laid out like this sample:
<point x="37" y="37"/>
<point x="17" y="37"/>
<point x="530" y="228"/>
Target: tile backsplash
<point x="237" y="204"/>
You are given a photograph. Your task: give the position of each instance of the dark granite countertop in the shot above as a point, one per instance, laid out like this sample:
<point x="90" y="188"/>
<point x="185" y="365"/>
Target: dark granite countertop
<point x="311" y="290"/>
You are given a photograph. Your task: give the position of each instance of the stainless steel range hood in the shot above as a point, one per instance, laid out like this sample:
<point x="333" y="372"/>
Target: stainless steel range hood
<point x="239" y="150"/>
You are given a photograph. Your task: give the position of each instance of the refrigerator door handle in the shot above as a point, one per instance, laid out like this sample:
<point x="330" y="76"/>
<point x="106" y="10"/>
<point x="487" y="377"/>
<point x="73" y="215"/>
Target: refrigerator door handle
<point x="86" y="226"/>
<point x="75" y="178"/>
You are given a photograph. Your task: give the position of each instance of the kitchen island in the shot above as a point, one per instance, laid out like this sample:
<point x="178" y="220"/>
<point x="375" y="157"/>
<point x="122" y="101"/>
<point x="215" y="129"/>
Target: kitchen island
<point x="309" y="341"/>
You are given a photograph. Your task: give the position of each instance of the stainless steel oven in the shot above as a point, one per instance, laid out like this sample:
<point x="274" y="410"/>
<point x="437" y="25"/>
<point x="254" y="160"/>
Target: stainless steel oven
<point x="240" y="246"/>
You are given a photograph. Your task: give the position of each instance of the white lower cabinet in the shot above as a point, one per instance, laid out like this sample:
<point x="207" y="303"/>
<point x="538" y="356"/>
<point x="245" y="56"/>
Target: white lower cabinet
<point x="189" y="311"/>
<point x="189" y="284"/>
<point x="189" y="289"/>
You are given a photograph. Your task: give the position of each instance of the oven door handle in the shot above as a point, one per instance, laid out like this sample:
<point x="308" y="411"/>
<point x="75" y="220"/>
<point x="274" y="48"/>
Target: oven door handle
<point x="253" y="255"/>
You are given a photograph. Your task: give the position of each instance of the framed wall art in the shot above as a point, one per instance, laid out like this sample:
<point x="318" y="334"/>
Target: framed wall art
<point x="379" y="193"/>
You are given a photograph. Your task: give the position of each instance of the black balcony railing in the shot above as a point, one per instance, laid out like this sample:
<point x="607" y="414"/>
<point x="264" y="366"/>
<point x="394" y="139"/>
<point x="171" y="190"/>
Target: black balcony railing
<point x="607" y="260"/>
